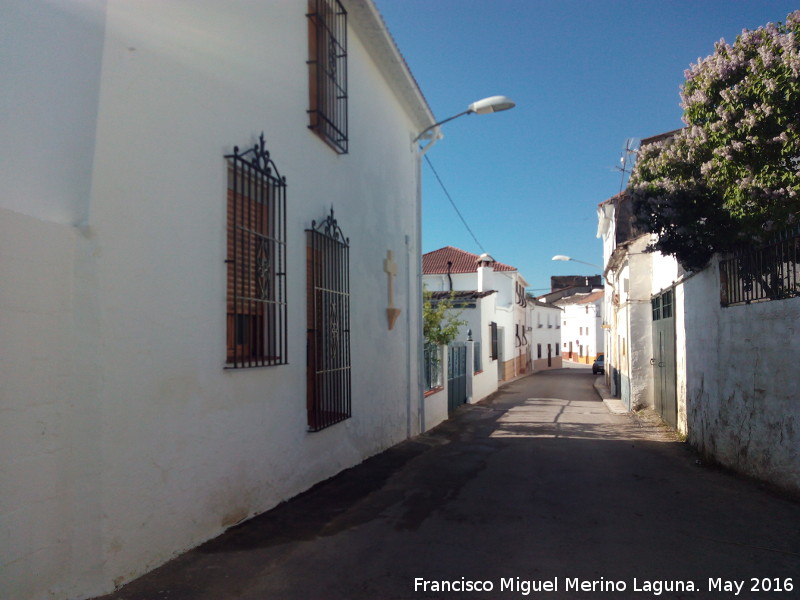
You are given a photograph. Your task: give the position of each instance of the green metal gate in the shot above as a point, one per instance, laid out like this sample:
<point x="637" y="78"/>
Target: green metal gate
<point x="665" y="397"/>
<point x="456" y="375"/>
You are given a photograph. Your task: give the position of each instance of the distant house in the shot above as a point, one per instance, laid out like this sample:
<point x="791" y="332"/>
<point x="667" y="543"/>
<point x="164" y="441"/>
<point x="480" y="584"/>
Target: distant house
<point x="503" y="334"/>
<point x="581" y="332"/>
<point x="201" y="206"/>
<point x="546" y="327"/>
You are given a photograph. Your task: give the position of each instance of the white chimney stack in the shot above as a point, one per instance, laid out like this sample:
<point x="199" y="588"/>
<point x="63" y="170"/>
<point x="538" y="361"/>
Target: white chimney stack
<point x="485" y="271"/>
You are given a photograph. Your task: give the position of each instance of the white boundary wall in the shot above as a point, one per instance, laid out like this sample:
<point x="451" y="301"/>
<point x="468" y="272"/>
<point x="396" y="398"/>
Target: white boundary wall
<point x="742" y="381"/>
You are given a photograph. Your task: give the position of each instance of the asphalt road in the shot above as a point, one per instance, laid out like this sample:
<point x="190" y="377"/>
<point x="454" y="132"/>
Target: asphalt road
<point x="539" y="493"/>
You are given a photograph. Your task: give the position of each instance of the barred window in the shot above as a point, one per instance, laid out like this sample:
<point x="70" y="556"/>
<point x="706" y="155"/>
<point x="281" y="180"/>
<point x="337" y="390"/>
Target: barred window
<point x="256" y="260"/>
<point x="328" y="333"/>
<point x="327" y="48"/>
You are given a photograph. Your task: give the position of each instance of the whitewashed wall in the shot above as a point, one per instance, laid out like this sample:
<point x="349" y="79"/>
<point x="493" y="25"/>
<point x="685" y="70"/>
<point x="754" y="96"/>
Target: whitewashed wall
<point x="742" y="381"/>
<point x="640" y="345"/>
<point x="485" y="382"/>
<point x="129" y="442"/>
<point x="50" y="74"/>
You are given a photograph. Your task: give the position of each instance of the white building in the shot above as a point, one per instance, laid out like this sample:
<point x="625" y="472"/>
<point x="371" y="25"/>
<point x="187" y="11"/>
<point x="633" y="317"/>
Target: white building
<point x="149" y="267"/>
<point x="503" y="334"/>
<point x="581" y="331"/>
<point x="627" y="305"/>
<point x="545" y="325"/>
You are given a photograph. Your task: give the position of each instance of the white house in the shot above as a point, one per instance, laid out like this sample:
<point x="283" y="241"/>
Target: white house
<point x="545" y="324"/>
<point x="581" y="331"/>
<point x="503" y="334"/>
<point x="627" y="320"/>
<point x="175" y="294"/>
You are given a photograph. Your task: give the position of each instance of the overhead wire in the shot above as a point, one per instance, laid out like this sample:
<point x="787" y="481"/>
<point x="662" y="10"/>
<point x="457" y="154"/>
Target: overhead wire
<point x="458" y="212"/>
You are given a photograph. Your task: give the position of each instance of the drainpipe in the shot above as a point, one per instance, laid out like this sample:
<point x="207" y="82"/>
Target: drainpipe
<point x="449" y="278"/>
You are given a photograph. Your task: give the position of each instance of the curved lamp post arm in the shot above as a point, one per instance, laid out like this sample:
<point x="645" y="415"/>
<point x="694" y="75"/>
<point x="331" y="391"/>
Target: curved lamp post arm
<point x="481" y="107"/>
<point x="561" y="257"/>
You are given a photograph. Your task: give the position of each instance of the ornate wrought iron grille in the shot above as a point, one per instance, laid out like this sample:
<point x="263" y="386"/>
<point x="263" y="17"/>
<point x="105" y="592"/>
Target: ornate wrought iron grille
<point x="328" y="354"/>
<point x="256" y="260"/>
<point x="770" y="272"/>
<point x="327" y="41"/>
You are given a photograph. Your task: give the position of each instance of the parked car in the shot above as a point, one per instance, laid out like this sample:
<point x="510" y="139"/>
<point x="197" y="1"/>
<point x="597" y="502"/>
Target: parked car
<point x="599" y="364"/>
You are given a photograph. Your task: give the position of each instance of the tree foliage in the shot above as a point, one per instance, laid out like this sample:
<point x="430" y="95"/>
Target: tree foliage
<point x="733" y="173"/>
<point x="440" y="323"/>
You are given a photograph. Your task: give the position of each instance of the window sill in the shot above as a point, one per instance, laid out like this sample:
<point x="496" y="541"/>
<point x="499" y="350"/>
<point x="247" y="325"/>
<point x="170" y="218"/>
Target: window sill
<point x="433" y="391"/>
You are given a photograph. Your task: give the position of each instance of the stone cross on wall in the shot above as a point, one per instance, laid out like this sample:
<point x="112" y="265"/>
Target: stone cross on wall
<point x="391" y="271"/>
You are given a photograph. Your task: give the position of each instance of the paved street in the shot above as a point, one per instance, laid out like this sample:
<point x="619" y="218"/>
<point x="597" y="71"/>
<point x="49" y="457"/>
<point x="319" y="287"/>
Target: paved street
<point x="541" y="487"/>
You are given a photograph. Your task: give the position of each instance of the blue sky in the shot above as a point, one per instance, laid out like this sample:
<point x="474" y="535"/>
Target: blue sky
<point x="586" y="75"/>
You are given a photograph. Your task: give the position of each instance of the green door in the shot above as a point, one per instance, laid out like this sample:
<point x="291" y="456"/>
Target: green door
<point x="664" y="368"/>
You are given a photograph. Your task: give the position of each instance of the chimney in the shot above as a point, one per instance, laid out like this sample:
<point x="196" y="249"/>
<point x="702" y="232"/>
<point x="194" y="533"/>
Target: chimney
<point x="485" y="271"/>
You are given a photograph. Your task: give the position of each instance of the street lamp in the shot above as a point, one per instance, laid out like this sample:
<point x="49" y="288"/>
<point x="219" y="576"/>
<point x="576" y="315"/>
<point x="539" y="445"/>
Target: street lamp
<point x="561" y="257"/>
<point x="488" y="105"/>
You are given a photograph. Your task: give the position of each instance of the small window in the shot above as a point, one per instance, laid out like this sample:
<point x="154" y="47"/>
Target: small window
<point x="327" y="48"/>
<point x="538" y="351"/>
<point x="656" y="306"/>
<point x="666" y="305"/>
<point x="493" y="336"/>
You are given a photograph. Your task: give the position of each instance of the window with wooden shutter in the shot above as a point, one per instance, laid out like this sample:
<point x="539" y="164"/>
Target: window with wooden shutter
<point x="256" y="260"/>
<point x="327" y="47"/>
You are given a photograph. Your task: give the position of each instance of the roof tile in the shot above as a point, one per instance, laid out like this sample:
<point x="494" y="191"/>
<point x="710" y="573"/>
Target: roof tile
<point x="435" y="262"/>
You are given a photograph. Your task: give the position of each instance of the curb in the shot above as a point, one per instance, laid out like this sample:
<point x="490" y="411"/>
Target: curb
<point x="614" y="405"/>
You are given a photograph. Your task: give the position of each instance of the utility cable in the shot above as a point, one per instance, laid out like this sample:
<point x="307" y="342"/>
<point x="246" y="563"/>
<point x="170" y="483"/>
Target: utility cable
<point x="458" y="212"/>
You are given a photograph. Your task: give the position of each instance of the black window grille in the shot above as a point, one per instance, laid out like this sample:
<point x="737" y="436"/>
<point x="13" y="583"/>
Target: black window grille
<point x="328" y="339"/>
<point x="256" y="260"/>
<point x="477" y="363"/>
<point x="493" y="336"/>
<point x="327" y="41"/>
<point x="769" y="272"/>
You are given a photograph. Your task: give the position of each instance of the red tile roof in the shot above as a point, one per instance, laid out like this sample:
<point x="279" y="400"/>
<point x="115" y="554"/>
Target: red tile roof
<point x="462" y="262"/>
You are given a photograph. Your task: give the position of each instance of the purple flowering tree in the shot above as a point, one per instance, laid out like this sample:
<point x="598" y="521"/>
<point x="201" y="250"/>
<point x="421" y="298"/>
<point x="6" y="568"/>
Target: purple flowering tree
<point x="733" y="173"/>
